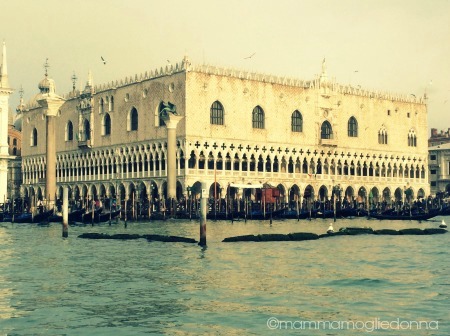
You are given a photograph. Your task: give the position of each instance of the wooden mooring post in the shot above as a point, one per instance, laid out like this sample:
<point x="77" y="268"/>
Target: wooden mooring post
<point x="65" y="221"/>
<point x="203" y="211"/>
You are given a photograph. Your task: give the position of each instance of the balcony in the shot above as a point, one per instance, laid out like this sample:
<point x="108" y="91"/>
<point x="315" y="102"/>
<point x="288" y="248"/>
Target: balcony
<point x="332" y="142"/>
<point x="83" y="144"/>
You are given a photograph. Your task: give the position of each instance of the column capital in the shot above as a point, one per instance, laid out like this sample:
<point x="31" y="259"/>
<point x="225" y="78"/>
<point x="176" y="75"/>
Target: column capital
<point x="171" y="120"/>
<point x="51" y="104"/>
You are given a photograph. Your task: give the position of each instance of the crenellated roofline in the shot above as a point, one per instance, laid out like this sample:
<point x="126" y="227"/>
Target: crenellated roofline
<point x="186" y="66"/>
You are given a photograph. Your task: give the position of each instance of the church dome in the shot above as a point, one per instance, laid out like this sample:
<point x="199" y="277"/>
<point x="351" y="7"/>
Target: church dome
<point x="47" y="85"/>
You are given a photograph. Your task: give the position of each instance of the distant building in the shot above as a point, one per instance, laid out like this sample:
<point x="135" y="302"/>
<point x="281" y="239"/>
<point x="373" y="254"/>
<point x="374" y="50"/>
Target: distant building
<point x="303" y="136"/>
<point x="440" y="138"/>
<point x="5" y="92"/>
<point x="15" y="159"/>
<point x="439" y="168"/>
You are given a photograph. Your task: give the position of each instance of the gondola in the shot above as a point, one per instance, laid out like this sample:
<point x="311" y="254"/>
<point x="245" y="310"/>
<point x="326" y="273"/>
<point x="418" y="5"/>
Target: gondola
<point x="88" y="217"/>
<point x="28" y="218"/>
<point x="73" y="216"/>
<point x="407" y="216"/>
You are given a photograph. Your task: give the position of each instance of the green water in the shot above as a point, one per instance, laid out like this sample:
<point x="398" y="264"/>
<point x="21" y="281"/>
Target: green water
<point x="55" y="286"/>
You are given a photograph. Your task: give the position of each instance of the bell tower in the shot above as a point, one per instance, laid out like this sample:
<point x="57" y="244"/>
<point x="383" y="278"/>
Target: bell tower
<point x="5" y="91"/>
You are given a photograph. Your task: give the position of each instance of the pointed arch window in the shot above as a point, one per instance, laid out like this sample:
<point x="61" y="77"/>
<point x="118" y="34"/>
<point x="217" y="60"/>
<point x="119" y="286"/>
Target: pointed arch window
<point x="326" y="132"/>
<point x="101" y="106"/>
<point x="34" y="138"/>
<point x="258" y="117"/>
<point x="382" y="136"/>
<point x="106" y="127"/>
<point x="296" y="121"/>
<point x="111" y="104"/>
<point x="69" y="131"/>
<point x="352" y="127"/>
<point x="159" y="121"/>
<point x="412" y="139"/>
<point x="133" y="121"/>
<point x="217" y="115"/>
<point x="87" y="130"/>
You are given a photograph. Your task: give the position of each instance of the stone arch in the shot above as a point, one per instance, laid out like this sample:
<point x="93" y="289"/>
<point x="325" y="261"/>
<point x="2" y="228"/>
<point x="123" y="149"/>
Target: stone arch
<point x="386" y="194"/>
<point x="323" y="193"/>
<point x="349" y="193"/>
<point x="398" y="194"/>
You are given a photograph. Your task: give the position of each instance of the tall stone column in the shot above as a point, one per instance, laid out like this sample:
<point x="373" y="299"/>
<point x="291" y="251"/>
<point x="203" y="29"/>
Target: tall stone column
<point x="171" y="121"/>
<point x="51" y="105"/>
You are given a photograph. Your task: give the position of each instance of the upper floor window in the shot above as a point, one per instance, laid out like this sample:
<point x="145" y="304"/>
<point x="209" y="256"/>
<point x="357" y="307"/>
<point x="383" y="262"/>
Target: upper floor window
<point x="111" y="104"/>
<point x="101" y="106"/>
<point x="133" y="121"/>
<point x="14" y="142"/>
<point x="159" y="120"/>
<point x="217" y="113"/>
<point x="69" y="131"/>
<point x="87" y="130"/>
<point x="412" y="139"/>
<point x="296" y="122"/>
<point x="34" y="137"/>
<point x="382" y="136"/>
<point x="106" y="124"/>
<point x="352" y="127"/>
<point x="432" y="157"/>
<point x="326" y="132"/>
<point x="258" y="117"/>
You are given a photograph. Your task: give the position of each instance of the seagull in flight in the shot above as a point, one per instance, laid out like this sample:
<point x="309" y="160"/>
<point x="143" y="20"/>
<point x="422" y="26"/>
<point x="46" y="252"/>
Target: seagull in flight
<point x="103" y="60"/>
<point x="250" y="56"/>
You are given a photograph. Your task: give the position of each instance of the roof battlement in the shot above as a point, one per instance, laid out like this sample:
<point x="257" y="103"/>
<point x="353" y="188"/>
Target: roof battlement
<point x="186" y="66"/>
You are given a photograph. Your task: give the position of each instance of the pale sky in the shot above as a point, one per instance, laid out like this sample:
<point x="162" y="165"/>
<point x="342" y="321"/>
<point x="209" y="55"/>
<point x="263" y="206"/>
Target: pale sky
<point x="401" y="46"/>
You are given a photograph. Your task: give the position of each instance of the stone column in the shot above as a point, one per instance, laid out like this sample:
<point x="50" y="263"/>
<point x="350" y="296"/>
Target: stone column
<point x="51" y="105"/>
<point x="171" y="121"/>
<point x="50" y="180"/>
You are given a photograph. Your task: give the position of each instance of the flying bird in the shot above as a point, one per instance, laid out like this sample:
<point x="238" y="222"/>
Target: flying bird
<point x="412" y="94"/>
<point x="103" y="60"/>
<point x="250" y="56"/>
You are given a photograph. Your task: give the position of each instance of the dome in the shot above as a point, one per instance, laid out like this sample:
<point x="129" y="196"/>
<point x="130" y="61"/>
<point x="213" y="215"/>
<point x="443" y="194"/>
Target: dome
<point x="47" y="85"/>
<point x="18" y="123"/>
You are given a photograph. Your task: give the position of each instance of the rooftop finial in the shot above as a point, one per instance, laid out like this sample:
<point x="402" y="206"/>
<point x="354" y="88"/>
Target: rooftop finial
<point x="46" y="66"/>
<point x="74" y="81"/>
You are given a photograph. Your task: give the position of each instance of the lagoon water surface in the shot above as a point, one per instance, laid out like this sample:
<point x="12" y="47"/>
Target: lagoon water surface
<point x="376" y="284"/>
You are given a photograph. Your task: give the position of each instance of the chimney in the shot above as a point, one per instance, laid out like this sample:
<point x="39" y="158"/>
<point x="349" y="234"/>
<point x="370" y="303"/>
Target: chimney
<point x="434" y="132"/>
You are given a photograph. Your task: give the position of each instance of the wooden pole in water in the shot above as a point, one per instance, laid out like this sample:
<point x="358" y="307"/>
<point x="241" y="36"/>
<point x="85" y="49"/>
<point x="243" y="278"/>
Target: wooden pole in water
<point x="93" y="211"/>
<point x="65" y="221"/>
<point x="203" y="210"/>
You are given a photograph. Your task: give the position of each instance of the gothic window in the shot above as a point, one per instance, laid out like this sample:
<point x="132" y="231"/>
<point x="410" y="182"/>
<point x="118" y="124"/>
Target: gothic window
<point x="111" y="104"/>
<point x="258" y="117"/>
<point x="87" y="130"/>
<point x="106" y="124"/>
<point x="352" y="127"/>
<point x="382" y="136"/>
<point x="296" y="122"/>
<point x="159" y="121"/>
<point x="14" y="142"/>
<point x="69" y="131"/>
<point x="412" y="139"/>
<point x="133" y="120"/>
<point x="326" y="132"/>
<point x="34" y="138"/>
<point x="101" y="106"/>
<point x="217" y="113"/>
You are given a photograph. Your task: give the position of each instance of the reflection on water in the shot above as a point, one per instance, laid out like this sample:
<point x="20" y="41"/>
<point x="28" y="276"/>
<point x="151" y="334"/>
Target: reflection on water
<point x="52" y="285"/>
